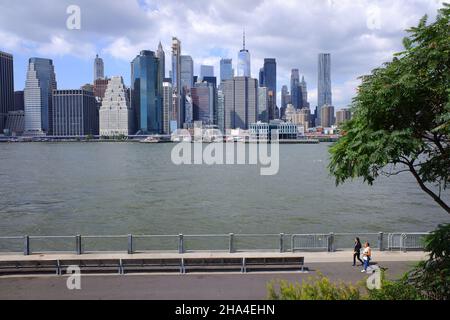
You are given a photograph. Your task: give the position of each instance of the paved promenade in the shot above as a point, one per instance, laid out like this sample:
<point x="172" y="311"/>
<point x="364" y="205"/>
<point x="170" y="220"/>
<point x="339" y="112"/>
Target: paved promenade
<point x="196" y="286"/>
<point x="310" y="257"/>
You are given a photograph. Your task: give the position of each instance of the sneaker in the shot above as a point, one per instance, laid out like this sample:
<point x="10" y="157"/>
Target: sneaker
<point x="353" y="265"/>
<point x="363" y="270"/>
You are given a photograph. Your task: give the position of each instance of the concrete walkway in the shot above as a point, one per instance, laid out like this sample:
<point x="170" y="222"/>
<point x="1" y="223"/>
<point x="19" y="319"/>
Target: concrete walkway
<point x="195" y="286"/>
<point x="310" y="257"/>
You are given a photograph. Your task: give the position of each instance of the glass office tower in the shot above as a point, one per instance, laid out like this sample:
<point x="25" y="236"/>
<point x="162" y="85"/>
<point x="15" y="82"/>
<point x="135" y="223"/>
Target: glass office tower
<point x="146" y="100"/>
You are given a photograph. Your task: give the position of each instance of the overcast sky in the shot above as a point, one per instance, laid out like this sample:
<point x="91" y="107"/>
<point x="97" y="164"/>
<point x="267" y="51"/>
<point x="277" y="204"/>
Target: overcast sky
<point x="359" y="34"/>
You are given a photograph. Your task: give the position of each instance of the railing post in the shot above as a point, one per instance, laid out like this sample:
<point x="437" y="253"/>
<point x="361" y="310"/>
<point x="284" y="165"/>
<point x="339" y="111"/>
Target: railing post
<point x="26" y="245"/>
<point x="180" y="244"/>
<point x="130" y="244"/>
<point x="78" y="245"/>
<point x="281" y="242"/>
<point x="331" y="242"/>
<point x="231" y="246"/>
<point x="403" y="243"/>
<point x="380" y="241"/>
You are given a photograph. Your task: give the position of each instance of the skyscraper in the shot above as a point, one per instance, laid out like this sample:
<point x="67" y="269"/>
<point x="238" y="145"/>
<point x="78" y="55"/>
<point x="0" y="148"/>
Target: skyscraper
<point x="99" y="68"/>
<point x="226" y="69"/>
<point x="39" y="86"/>
<point x="343" y="116"/>
<point x="187" y="72"/>
<point x="75" y="113"/>
<point x="6" y="87"/>
<point x="167" y="105"/>
<point x="116" y="116"/>
<point x="161" y="55"/>
<point x="270" y="82"/>
<point x="243" y="68"/>
<point x="206" y="71"/>
<point x="176" y="116"/>
<point x="221" y="110"/>
<point x="241" y="102"/>
<point x="324" y="95"/>
<point x="146" y="100"/>
<point x="261" y="77"/>
<point x="203" y="96"/>
<point x="296" y="92"/>
<point x="100" y="86"/>
<point x="188" y="110"/>
<point x="304" y="90"/>
<point x="327" y="116"/>
<point x="263" y="104"/>
<point x="19" y="102"/>
<point x="284" y="100"/>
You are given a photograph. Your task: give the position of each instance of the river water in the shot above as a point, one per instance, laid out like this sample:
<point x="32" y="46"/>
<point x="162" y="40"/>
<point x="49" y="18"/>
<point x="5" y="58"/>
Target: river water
<point x="122" y="188"/>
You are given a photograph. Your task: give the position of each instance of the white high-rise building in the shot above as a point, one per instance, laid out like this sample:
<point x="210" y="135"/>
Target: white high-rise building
<point x="115" y="113"/>
<point x="243" y="67"/>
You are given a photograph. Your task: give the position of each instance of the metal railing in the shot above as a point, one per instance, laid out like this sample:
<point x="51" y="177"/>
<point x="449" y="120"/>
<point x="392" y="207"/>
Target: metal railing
<point x="406" y="241"/>
<point x="208" y="242"/>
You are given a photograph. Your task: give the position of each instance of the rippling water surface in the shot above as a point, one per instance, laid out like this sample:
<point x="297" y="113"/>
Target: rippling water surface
<point x="121" y="188"/>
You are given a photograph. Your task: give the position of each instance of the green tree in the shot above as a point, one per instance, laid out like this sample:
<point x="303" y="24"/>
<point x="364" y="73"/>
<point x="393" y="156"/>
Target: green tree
<point x="432" y="277"/>
<point x="401" y="116"/>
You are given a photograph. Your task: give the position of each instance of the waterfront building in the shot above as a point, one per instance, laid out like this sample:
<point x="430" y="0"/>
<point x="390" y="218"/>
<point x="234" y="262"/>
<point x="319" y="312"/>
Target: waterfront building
<point x="19" y="102"/>
<point x="15" y="123"/>
<point x="300" y="117"/>
<point x="99" y="68"/>
<point x="206" y="71"/>
<point x="39" y="86"/>
<point x="176" y="118"/>
<point x="203" y="97"/>
<point x="327" y="116"/>
<point x="241" y="102"/>
<point x="6" y="87"/>
<point x="115" y="113"/>
<point x="244" y="65"/>
<point x="324" y="95"/>
<point x="146" y="99"/>
<point x="343" y="116"/>
<point x="167" y="105"/>
<point x="263" y="130"/>
<point x="75" y="113"/>
<point x="226" y="69"/>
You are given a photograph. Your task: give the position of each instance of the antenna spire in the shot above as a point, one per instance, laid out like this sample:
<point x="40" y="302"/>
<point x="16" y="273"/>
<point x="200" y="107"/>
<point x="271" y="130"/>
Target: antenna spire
<point x="244" y="39"/>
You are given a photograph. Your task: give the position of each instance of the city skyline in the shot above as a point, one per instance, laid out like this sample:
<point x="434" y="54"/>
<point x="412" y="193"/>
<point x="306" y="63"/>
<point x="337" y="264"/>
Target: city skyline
<point x="367" y="44"/>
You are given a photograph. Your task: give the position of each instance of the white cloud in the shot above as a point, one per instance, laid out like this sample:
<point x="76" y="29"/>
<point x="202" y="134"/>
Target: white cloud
<point x="360" y="35"/>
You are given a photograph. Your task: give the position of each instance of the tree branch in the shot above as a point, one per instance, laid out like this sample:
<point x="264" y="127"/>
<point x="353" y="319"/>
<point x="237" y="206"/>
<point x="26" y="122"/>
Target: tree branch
<point x="435" y="197"/>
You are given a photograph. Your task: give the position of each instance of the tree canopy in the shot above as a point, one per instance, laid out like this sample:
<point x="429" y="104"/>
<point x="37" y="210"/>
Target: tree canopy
<point x="401" y="115"/>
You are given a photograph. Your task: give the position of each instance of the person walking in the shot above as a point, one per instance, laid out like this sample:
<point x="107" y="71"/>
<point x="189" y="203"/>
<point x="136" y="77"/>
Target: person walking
<point x="357" y="252"/>
<point x="367" y="256"/>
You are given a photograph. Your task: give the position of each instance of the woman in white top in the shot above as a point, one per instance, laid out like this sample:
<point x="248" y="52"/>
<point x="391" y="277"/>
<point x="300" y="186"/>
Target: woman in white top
<point x="367" y="255"/>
